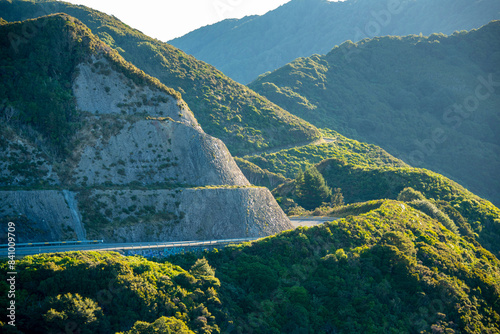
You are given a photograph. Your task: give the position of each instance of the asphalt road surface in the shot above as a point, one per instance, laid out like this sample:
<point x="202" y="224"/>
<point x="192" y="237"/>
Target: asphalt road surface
<point x="23" y="251"/>
<point x="310" y="221"/>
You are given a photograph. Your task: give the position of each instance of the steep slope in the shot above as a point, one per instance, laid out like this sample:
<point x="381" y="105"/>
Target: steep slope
<point x="246" y="48"/>
<point x="367" y="173"/>
<point x="92" y="146"/>
<point x="473" y="216"/>
<point x="245" y="121"/>
<point x="431" y="101"/>
<point x="393" y="269"/>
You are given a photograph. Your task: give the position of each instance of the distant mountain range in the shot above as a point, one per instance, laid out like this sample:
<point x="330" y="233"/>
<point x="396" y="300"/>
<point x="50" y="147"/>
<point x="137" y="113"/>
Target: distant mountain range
<point x="243" y="49"/>
<point x="93" y="147"/>
<point x="431" y="101"/>
<point x="227" y="110"/>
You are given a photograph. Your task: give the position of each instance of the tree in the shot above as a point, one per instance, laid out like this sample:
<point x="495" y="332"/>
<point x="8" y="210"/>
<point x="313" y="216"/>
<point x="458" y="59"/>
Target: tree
<point x="201" y="268"/>
<point x="74" y="309"/>
<point x="337" y="198"/>
<point x="312" y="189"/>
<point x="161" y="325"/>
<point x="409" y="194"/>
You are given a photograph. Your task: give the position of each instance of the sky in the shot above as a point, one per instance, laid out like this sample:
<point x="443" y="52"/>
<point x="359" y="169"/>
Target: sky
<point x="167" y="19"/>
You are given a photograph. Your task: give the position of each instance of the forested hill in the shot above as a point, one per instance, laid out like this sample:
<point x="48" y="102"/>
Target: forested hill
<point x="80" y="125"/>
<point x="392" y="270"/>
<point x="227" y="110"/>
<point x="431" y="101"/>
<point x="246" y="48"/>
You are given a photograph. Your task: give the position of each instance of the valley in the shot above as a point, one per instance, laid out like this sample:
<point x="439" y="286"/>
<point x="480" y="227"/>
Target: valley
<point x="145" y="191"/>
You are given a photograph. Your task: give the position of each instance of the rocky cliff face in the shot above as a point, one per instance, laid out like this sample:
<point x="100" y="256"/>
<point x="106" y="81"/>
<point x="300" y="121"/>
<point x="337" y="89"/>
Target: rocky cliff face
<point x="153" y="151"/>
<point x="128" y="215"/>
<point x="42" y="215"/>
<point x="141" y="169"/>
<point x="100" y="89"/>
<point x="184" y="214"/>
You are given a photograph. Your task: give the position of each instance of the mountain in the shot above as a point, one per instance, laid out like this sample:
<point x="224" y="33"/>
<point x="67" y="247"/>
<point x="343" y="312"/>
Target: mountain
<point x="245" y="121"/>
<point x="366" y="173"/>
<point x="92" y="147"/>
<point x="246" y="48"/>
<point x="430" y="101"/>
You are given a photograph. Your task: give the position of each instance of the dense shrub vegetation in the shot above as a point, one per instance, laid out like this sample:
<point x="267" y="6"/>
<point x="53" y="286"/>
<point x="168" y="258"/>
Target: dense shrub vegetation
<point x="392" y="269"/>
<point x="472" y="215"/>
<point x="289" y="162"/>
<point x="311" y="189"/>
<point x="414" y="252"/>
<point x="430" y="101"/>
<point x="106" y="293"/>
<point x="38" y="91"/>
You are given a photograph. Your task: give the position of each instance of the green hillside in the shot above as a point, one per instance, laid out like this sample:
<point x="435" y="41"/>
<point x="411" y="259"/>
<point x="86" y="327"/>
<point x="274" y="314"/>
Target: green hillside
<point x="40" y="71"/>
<point x="245" y="121"/>
<point x="367" y="173"/>
<point x="415" y="252"/>
<point x="107" y="293"/>
<point x="289" y="162"/>
<point x="473" y="216"/>
<point x="431" y="101"/>
<point x="260" y="176"/>
<point x="391" y="270"/>
<point x="248" y="47"/>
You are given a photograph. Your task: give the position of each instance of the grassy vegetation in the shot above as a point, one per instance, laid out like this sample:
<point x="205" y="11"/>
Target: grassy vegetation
<point x="289" y="162"/>
<point x="244" y="120"/>
<point x="355" y="209"/>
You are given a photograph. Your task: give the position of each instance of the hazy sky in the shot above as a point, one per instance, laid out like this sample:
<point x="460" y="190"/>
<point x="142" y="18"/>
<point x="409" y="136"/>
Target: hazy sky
<point x="167" y="19"/>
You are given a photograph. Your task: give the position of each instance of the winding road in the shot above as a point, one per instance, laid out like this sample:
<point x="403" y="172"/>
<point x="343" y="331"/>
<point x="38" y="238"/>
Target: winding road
<point x="310" y="221"/>
<point x="32" y="250"/>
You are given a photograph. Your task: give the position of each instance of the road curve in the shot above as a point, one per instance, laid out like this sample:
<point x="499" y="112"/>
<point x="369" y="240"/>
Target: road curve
<point x="310" y="221"/>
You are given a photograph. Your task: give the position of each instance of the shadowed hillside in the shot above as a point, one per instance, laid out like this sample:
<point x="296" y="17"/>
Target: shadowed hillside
<point x="430" y="101"/>
<point x="246" y="48"/>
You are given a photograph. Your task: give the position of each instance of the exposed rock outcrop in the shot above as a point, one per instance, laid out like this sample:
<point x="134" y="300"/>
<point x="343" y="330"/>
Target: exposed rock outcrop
<point x="100" y="89"/>
<point x="41" y="215"/>
<point x="143" y="215"/>
<point x="152" y="151"/>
